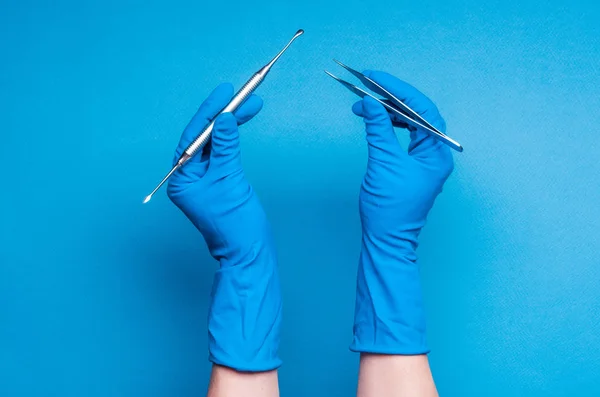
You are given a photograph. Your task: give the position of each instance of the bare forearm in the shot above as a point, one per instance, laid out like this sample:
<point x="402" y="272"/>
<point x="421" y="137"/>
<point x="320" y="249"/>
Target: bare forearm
<point x="395" y="376"/>
<point x="226" y="382"/>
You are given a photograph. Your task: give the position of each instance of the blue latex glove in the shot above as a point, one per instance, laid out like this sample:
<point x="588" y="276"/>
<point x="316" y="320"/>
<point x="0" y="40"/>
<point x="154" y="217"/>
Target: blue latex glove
<point x="397" y="192"/>
<point x="212" y="191"/>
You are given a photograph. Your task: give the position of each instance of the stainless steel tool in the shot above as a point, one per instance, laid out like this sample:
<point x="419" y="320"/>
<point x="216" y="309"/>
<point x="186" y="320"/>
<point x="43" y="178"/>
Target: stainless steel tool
<point x="238" y="99"/>
<point x="398" y="109"/>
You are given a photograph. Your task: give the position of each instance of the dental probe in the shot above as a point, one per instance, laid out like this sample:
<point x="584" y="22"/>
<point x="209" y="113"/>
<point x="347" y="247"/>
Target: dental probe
<point x="238" y="99"/>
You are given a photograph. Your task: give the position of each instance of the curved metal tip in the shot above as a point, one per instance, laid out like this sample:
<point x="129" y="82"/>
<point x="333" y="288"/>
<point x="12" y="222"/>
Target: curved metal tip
<point x="268" y="66"/>
<point x="299" y="33"/>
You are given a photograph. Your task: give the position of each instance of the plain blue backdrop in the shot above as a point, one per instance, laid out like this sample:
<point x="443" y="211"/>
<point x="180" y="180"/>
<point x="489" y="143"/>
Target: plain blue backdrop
<point x="103" y="296"/>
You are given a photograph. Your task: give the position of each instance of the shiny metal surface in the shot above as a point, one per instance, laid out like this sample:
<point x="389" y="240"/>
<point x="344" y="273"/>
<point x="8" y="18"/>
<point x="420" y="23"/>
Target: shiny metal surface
<point x="238" y="99"/>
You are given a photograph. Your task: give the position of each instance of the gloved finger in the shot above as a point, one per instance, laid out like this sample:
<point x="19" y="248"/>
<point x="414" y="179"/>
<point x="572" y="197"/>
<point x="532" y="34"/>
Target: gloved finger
<point x="245" y="113"/>
<point x="225" y="144"/>
<point x="408" y="94"/>
<point x="213" y="104"/>
<point x="422" y="145"/>
<point x="431" y="153"/>
<point x="249" y="109"/>
<point x="399" y="122"/>
<point x="383" y="145"/>
<point x="396" y="120"/>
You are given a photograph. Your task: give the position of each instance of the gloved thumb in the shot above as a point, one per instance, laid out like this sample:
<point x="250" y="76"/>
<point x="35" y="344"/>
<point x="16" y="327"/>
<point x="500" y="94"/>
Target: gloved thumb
<point x="225" y="143"/>
<point x="381" y="137"/>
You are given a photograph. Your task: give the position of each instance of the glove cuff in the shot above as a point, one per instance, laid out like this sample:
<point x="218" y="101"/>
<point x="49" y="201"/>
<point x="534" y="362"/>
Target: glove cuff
<point x="245" y="314"/>
<point x="389" y="315"/>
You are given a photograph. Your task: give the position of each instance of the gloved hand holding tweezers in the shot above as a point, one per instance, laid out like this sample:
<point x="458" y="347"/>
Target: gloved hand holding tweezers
<point x="398" y="190"/>
<point x="401" y="113"/>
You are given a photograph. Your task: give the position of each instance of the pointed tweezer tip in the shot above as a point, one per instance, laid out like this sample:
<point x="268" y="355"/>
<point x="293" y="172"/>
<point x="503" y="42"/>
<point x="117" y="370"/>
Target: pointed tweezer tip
<point x="339" y="63"/>
<point x="343" y="65"/>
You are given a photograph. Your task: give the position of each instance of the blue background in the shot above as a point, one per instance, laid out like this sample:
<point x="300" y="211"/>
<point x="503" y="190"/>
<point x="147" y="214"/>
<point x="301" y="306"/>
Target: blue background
<point x="103" y="296"/>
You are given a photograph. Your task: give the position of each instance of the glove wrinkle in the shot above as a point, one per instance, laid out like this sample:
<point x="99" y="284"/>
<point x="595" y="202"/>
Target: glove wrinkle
<point x="212" y="191"/>
<point x="397" y="193"/>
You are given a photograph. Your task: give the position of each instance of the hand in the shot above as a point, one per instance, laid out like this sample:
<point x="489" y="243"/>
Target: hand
<point x="398" y="190"/>
<point x="213" y="192"/>
<point x="211" y="188"/>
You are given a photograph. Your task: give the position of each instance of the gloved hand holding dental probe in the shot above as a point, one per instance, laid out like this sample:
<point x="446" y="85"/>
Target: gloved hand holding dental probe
<point x="398" y="190"/>
<point x="245" y="311"/>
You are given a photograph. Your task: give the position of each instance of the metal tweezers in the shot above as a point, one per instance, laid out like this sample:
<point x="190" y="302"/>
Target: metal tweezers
<point x="402" y="115"/>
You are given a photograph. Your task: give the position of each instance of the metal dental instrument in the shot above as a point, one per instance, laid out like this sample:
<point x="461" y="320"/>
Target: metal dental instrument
<point x="238" y="99"/>
<point x="400" y="112"/>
